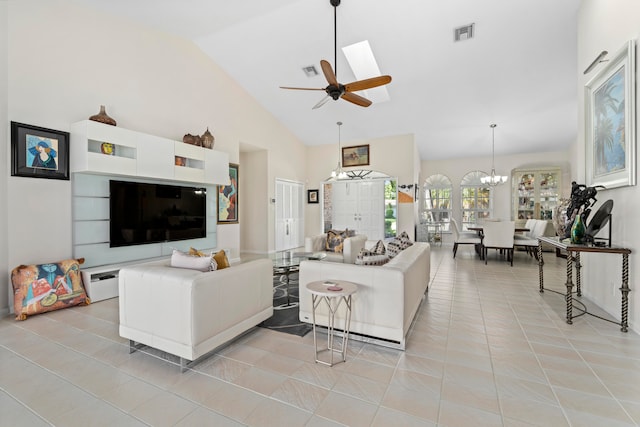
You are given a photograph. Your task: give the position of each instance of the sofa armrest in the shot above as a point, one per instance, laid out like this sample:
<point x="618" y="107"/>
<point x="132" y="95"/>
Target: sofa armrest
<point x="315" y="243"/>
<point x="352" y="247"/>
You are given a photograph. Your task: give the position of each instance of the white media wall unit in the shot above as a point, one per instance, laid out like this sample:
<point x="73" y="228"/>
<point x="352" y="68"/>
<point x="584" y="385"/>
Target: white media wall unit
<point x="136" y="157"/>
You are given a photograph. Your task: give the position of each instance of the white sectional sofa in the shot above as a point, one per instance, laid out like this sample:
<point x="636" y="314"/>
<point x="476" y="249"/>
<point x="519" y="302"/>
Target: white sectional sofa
<point x="388" y="296"/>
<point x="350" y="250"/>
<point x="189" y="313"/>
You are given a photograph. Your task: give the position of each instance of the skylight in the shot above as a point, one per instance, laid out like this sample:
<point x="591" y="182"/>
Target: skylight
<point x="364" y="66"/>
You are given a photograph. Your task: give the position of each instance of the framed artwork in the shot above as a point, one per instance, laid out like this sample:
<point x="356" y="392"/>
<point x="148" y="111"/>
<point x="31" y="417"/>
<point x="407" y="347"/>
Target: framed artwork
<point x="312" y="196"/>
<point x="228" y="198"/>
<point x="610" y="134"/>
<point x="355" y="156"/>
<point x="39" y="152"/>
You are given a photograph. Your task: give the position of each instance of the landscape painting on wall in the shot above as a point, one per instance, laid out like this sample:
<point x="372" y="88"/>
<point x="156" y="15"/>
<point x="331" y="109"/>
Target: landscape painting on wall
<point x="228" y="198"/>
<point x="610" y="122"/>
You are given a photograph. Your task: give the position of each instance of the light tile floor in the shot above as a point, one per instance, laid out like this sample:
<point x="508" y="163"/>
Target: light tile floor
<point x="486" y="349"/>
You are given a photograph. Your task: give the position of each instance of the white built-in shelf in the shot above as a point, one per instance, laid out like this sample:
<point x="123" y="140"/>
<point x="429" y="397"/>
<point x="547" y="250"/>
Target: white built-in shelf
<point x="136" y="154"/>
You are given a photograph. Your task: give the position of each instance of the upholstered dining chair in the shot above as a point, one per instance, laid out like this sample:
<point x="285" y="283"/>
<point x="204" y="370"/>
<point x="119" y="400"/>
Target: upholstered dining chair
<point x="464" y="238"/>
<point x="499" y="235"/>
<point x="529" y="240"/>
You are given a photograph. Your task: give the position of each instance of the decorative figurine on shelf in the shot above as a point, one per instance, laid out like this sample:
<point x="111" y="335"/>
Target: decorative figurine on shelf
<point x="207" y="139"/>
<point x="582" y="199"/>
<point x="102" y="117"/>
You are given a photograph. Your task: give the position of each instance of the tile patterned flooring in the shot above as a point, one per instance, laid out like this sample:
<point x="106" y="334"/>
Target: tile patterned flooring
<point x="486" y="349"/>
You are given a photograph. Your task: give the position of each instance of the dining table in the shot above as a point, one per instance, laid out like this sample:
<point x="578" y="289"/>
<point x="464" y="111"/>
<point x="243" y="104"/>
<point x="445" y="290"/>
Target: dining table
<point x="479" y="229"/>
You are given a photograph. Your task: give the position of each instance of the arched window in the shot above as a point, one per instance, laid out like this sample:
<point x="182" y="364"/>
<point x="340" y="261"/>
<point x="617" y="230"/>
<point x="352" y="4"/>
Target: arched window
<point x="477" y="199"/>
<point x="436" y="205"/>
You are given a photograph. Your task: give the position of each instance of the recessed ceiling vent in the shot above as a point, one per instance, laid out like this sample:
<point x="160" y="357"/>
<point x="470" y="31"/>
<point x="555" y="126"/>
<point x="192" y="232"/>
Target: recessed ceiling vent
<point x="463" y="33"/>
<point x="310" y="71"/>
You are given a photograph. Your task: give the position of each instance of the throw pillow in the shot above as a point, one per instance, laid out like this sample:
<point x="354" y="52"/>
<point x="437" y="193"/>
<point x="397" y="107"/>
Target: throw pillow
<point x="399" y="244"/>
<point x="379" y="248"/>
<point x="221" y="259"/>
<point x="181" y="260"/>
<point x="335" y="240"/>
<point x="366" y="257"/>
<point x="40" y="288"/>
<point x="196" y="252"/>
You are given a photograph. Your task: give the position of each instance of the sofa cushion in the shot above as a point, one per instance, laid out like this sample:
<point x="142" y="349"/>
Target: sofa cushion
<point x="335" y="240"/>
<point x="399" y="244"/>
<point x="198" y="253"/>
<point x="194" y="262"/>
<point x="39" y="288"/>
<point x="366" y="257"/>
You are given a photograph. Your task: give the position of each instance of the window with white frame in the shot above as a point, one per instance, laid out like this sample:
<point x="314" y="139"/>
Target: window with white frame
<point x="436" y="204"/>
<point x="476" y="199"/>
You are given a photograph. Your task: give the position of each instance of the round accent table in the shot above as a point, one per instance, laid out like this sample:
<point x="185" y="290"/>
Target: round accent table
<point x="333" y="293"/>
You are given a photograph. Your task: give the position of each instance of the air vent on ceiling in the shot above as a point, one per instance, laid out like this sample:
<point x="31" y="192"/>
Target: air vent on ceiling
<point x="463" y="33"/>
<point x="310" y="71"/>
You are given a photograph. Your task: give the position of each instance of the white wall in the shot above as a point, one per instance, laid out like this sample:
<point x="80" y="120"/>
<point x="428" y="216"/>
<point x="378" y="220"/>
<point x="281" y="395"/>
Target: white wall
<point x="254" y="203"/>
<point x="608" y="25"/>
<point x="149" y="81"/>
<point x="4" y="159"/>
<point x="455" y="169"/>
<point x="394" y="156"/>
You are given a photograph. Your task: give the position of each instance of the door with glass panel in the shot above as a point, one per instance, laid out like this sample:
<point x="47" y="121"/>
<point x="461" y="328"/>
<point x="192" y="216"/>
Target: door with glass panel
<point x="289" y="215"/>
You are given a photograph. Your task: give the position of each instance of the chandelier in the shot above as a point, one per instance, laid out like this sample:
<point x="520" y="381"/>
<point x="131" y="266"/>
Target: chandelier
<point x="493" y="179"/>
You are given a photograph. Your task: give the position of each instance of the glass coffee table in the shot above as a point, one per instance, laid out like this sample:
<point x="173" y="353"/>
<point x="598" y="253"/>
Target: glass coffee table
<point x="285" y="263"/>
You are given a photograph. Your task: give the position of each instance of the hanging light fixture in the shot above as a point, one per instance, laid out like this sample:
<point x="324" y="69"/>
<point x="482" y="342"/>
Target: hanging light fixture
<point x="338" y="173"/>
<point x="493" y="179"/>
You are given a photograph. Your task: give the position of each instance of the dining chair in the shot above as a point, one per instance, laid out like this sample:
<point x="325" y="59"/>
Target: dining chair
<point x="529" y="241"/>
<point x="464" y="238"/>
<point x="499" y="235"/>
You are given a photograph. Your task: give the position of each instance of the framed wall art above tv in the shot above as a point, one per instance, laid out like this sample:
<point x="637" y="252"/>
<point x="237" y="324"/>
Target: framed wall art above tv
<point x="610" y="134"/>
<point x="38" y="152"/>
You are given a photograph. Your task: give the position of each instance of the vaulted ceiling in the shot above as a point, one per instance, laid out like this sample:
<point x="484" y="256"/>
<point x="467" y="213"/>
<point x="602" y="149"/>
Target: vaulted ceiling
<point x="519" y="70"/>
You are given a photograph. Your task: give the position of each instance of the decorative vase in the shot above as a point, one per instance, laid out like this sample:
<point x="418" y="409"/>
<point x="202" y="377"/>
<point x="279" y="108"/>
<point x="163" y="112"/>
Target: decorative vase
<point x="577" y="230"/>
<point x="207" y="139"/>
<point x="102" y="117"/>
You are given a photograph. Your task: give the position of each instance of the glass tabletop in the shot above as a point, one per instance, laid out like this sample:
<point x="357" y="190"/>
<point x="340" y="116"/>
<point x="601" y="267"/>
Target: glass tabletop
<point x="293" y="259"/>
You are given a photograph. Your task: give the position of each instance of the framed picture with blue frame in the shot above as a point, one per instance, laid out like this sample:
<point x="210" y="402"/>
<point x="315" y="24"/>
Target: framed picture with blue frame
<point x="38" y="152"/>
<point x="610" y="134"/>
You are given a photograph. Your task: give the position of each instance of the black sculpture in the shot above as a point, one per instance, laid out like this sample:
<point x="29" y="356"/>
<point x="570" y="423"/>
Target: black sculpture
<point x="582" y="198"/>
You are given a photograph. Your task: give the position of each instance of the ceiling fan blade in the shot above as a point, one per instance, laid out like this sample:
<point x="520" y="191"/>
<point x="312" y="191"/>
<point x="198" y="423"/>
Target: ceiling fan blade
<point x="300" y="88"/>
<point x="328" y="73"/>
<point x="322" y="102"/>
<point x="356" y="99"/>
<point x="367" y="83"/>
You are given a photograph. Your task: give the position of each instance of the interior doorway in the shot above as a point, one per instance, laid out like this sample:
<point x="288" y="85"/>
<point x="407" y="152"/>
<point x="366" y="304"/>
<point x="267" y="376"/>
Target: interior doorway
<point x="289" y="215"/>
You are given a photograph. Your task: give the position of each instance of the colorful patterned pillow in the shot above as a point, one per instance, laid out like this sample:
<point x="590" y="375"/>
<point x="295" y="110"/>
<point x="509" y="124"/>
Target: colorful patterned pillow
<point x="40" y="288"/>
<point x="335" y="240"/>
<point x="399" y="244"/>
<point x="366" y="257"/>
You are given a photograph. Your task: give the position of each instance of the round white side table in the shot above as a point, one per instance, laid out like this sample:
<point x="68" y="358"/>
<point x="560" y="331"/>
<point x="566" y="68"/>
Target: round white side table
<point x="328" y="292"/>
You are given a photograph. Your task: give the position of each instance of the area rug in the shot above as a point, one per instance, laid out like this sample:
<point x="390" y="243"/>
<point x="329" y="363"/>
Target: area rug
<point x="286" y="317"/>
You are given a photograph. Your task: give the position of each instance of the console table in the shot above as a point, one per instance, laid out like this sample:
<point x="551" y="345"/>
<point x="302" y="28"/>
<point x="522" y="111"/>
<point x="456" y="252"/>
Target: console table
<point x="573" y="256"/>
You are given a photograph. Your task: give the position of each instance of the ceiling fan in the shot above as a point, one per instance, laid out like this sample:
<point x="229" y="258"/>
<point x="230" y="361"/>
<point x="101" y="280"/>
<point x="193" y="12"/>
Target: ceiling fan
<point x="335" y="89"/>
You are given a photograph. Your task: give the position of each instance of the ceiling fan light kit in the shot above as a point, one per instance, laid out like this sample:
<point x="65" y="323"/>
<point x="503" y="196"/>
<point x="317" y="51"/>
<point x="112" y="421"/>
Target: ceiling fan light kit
<point x="493" y="179"/>
<point x="336" y="90"/>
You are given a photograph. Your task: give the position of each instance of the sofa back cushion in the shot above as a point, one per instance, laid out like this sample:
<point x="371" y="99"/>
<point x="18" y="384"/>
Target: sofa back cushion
<point x="367" y="257"/>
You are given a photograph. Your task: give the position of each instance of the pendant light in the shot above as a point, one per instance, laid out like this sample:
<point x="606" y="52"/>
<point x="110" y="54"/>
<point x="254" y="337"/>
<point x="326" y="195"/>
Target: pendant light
<point x="338" y="173"/>
<point x="493" y="179"/>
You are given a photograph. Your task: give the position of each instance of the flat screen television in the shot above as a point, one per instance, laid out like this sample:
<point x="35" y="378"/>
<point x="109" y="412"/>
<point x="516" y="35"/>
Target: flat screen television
<point x="142" y="213"/>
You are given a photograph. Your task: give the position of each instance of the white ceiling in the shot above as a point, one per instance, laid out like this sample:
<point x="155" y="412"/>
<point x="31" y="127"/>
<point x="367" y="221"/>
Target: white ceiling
<point x="519" y="70"/>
